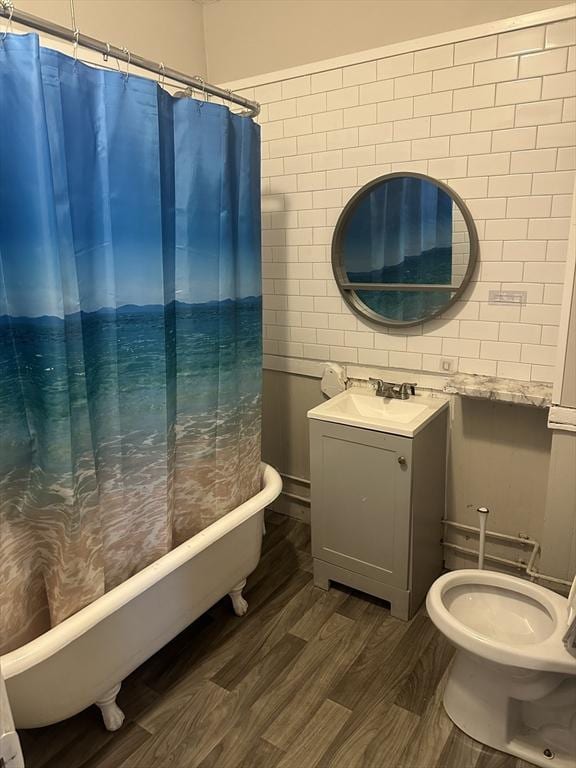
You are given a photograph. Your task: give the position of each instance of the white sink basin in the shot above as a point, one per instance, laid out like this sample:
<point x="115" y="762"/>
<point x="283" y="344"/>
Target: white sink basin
<point x="362" y="408"/>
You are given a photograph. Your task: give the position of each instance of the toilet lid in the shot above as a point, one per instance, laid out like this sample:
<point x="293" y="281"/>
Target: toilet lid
<point x="572" y="603"/>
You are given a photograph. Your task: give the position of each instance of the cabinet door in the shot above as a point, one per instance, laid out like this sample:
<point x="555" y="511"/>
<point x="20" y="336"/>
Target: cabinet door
<point x="361" y="483"/>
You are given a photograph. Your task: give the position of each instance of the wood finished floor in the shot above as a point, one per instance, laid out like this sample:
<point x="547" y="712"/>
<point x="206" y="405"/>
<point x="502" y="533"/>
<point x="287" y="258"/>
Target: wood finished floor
<point x="308" y="679"/>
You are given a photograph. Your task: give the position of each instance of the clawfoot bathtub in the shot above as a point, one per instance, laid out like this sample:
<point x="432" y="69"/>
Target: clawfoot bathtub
<point x="83" y="660"/>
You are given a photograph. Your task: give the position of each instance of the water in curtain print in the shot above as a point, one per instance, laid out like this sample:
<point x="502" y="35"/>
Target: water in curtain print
<point x="130" y="328"/>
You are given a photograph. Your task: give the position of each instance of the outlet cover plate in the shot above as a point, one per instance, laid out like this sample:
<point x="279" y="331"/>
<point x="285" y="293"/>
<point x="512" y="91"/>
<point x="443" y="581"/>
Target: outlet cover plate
<point x="447" y="364"/>
<point x="508" y="297"/>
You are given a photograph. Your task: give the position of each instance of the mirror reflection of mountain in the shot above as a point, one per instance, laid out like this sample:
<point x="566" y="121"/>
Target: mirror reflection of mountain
<point x="431" y="266"/>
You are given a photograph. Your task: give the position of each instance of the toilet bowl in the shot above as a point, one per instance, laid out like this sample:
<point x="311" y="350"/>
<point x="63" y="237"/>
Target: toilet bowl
<point x="513" y="682"/>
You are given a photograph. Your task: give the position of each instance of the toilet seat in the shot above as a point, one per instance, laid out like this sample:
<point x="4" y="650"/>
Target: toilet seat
<point x="475" y="610"/>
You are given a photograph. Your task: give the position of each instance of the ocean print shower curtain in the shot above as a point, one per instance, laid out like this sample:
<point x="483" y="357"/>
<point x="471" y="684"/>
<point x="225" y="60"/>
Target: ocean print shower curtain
<point x="130" y="327"/>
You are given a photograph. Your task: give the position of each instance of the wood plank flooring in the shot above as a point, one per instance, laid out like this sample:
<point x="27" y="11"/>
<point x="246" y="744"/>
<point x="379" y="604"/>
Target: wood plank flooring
<point x="308" y="679"/>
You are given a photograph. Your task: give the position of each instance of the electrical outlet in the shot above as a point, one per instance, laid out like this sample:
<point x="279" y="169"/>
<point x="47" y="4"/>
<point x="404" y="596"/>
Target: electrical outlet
<point x="447" y="364"/>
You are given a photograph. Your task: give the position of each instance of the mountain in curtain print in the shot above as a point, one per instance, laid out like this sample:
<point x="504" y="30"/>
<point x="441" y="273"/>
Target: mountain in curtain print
<point x="134" y="310"/>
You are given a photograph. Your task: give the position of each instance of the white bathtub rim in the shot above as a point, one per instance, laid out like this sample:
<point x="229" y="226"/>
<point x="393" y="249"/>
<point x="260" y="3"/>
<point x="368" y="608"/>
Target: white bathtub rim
<point x="41" y="648"/>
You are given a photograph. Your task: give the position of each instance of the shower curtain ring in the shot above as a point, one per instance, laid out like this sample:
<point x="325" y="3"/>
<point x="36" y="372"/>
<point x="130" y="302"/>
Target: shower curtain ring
<point x="129" y="55"/>
<point x="162" y="77"/>
<point x="203" y="88"/>
<point x="76" y="36"/>
<point x="7" y="4"/>
<point x="106" y="55"/>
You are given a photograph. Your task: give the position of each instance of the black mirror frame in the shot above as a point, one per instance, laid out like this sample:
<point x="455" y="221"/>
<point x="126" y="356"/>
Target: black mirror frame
<point x="350" y="296"/>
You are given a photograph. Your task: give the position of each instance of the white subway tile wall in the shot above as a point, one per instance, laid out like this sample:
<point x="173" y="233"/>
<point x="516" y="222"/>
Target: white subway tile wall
<point x="494" y="118"/>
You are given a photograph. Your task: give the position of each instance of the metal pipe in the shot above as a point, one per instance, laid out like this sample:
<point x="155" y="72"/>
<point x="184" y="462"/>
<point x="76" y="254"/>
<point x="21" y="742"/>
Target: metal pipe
<point x="296" y="497"/>
<point x="494" y="558"/>
<point x="8" y="11"/>
<point x="492" y="534"/>
<point x="483" y="516"/>
<point x="295" y="479"/>
<point x="536" y="575"/>
<point x="529" y="568"/>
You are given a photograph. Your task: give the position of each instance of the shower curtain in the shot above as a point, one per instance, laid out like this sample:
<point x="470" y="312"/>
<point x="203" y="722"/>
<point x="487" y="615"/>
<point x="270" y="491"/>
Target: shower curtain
<point x="130" y="327"/>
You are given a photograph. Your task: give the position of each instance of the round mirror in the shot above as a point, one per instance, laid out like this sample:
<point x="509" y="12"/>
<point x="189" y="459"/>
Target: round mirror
<point x="404" y="249"/>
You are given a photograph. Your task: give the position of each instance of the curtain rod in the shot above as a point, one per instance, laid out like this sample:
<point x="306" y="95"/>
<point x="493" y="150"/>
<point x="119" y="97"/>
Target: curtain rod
<point x="8" y="11"/>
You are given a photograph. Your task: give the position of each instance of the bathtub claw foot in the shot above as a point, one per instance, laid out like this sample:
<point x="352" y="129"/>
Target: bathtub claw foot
<point x="238" y="602"/>
<point x="111" y="713"/>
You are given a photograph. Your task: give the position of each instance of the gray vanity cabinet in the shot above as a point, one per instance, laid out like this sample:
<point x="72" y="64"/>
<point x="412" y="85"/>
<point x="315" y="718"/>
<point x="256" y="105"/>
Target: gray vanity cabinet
<point x="377" y="505"/>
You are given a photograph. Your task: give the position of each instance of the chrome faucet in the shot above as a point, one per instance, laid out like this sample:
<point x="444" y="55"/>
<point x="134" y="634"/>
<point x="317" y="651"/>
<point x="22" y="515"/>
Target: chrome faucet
<point x="393" y="391"/>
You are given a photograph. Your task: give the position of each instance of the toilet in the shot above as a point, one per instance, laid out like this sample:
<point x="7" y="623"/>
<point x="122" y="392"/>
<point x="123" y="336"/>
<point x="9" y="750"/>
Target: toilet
<point x="513" y="682"/>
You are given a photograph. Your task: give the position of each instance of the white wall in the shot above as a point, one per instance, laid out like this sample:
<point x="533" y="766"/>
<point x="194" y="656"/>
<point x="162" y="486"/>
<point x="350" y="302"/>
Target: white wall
<point x="247" y="37"/>
<point x="494" y="118"/>
<point x="332" y="128"/>
<point x="559" y="533"/>
<point x="170" y="31"/>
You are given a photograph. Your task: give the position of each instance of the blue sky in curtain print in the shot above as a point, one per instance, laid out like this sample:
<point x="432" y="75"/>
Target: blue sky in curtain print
<point x="114" y="193"/>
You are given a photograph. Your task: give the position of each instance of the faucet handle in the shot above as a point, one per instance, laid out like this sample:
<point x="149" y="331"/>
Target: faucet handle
<point x="378" y="384"/>
<point x="405" y="389"/>
<point x="382" y="387"/>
